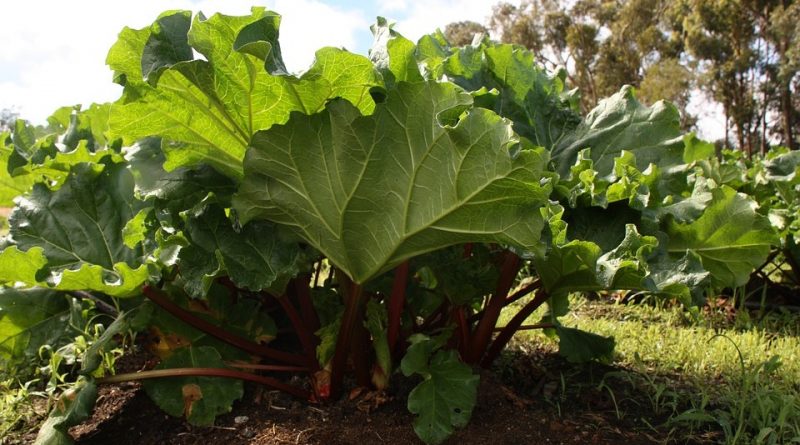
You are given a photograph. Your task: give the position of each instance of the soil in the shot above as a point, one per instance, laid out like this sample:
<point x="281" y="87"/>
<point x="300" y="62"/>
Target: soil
<point x="530" y="397"/>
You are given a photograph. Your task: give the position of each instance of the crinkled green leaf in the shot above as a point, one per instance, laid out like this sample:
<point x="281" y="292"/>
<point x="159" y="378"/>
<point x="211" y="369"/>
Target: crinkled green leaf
<point x="206" y="111"/>
<point x="27" y="148"/>
<point x="585" y="186"/>
<point x="176" y="190"/>
<point x="393" y="55"/>
<point x="526" y="95"/>
<point x="683" y="278"/>
<point x="569" y="267"/>
<point x="445" y="398"/>
<point x="580" y="346"/>
<point x="581" y="265"/>
<point x="625" y="267"/>
<point x="254" y="257"/>
<point x="419" y="352"/>
<point x="199" y="399"/>
<point x="73" y="407"/>
<point x="135" y="230"/>
<point x="730" y="237"/>
<point x="783" y="168"/>
<point x="10" y="186"/>
<point x="79" y="228"/>
<point x="30" y="319"/>
<point x="619" y="123"/>
<point x="89" y="125"/>
<point x="19" y="266"/>
<point x="372" y="191"/>
<point x="697" y="149"/>
<point x="431" y="52"/>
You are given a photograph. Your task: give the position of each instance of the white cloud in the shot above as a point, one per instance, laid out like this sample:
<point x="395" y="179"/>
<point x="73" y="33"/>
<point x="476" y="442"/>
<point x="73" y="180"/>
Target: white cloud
<point x="392" y="6"/>
<point x="424" y="17"/>
<point x="54" y="52"/>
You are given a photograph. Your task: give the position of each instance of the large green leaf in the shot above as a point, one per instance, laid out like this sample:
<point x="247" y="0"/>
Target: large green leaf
<point x="207" y="110"/>
<point x="619" y="123"/>
<point x="730" y="237"/>
<point x="372" y="191"/>
<point x="581" y="264"/>
<point x="254" y="257"/>
<point x="29" y="319"/>
<point x="199" y="399"/>
<point x="79" y="228"/>
<point x="683" y="278"/>
<point x="535" y="102"/>
<point x="445" y="398"/>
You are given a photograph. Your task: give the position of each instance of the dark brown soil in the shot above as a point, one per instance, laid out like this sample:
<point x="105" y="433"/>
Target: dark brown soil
<point x="530" y="398"/>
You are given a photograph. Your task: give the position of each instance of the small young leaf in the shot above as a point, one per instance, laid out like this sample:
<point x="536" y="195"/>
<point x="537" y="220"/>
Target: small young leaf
<point x="445" y="399"/>
<point x="579" y="346"/>
<point x="73" y="407"/>
<point x="199" y="399"/>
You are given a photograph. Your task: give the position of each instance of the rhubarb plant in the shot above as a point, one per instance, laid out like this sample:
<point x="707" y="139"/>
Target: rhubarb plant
<point x="371" y="215"/>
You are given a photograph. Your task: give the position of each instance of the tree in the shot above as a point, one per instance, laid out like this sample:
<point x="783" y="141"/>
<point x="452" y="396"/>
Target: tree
<point x="745" y="50"/>
<point x="7" y="118"/>
<point x="603" y="44"/>
<point x="462" y="33"/>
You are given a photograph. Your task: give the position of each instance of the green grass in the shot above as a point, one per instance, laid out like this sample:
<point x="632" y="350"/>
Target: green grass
<point x="21" y="408"/>
<point x="740" y="376"/>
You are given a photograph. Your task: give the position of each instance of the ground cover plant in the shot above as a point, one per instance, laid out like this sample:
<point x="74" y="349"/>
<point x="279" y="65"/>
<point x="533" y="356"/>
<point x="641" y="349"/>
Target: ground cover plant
<point x="370" y="216"/>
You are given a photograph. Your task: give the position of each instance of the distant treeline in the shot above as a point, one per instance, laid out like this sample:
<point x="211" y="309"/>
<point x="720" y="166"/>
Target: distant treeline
<point x="743" y="54"/>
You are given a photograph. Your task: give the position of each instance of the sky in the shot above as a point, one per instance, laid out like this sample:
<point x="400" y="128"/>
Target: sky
<point x="53" y="51"/>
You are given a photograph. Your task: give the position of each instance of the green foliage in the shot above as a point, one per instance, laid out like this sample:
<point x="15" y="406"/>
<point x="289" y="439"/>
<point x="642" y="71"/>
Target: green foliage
<point x="199" y="399"/>
<point x="323" y="176"/>
<point x="361" y="201"/>
<point x="73" y="407"/>
<point x="447" y="394"/>
<point x="29" y="319"/>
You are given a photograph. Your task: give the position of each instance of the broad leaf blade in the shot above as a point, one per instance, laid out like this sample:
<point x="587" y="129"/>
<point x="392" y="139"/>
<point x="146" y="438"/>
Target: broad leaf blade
<point x="372" y="191"/>
<point x="79" y="228"/>
<point x="254" y="257"/>
<point x="208" y="110"/>
<point x="619" y="123"/>
<point x="730" y="237"/>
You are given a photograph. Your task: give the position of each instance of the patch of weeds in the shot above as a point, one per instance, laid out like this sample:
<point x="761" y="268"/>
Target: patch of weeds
<point x="751" y="409"/>
<point x="22" y="407"/>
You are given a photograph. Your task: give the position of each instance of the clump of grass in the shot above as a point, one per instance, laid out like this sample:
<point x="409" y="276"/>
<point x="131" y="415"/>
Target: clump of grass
<point x="20" y="407"/>
<point x="738" y="375"/>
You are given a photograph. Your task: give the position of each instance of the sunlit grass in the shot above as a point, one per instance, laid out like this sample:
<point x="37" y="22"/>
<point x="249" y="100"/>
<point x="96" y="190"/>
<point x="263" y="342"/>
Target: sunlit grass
<point x="738" y="374"/>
